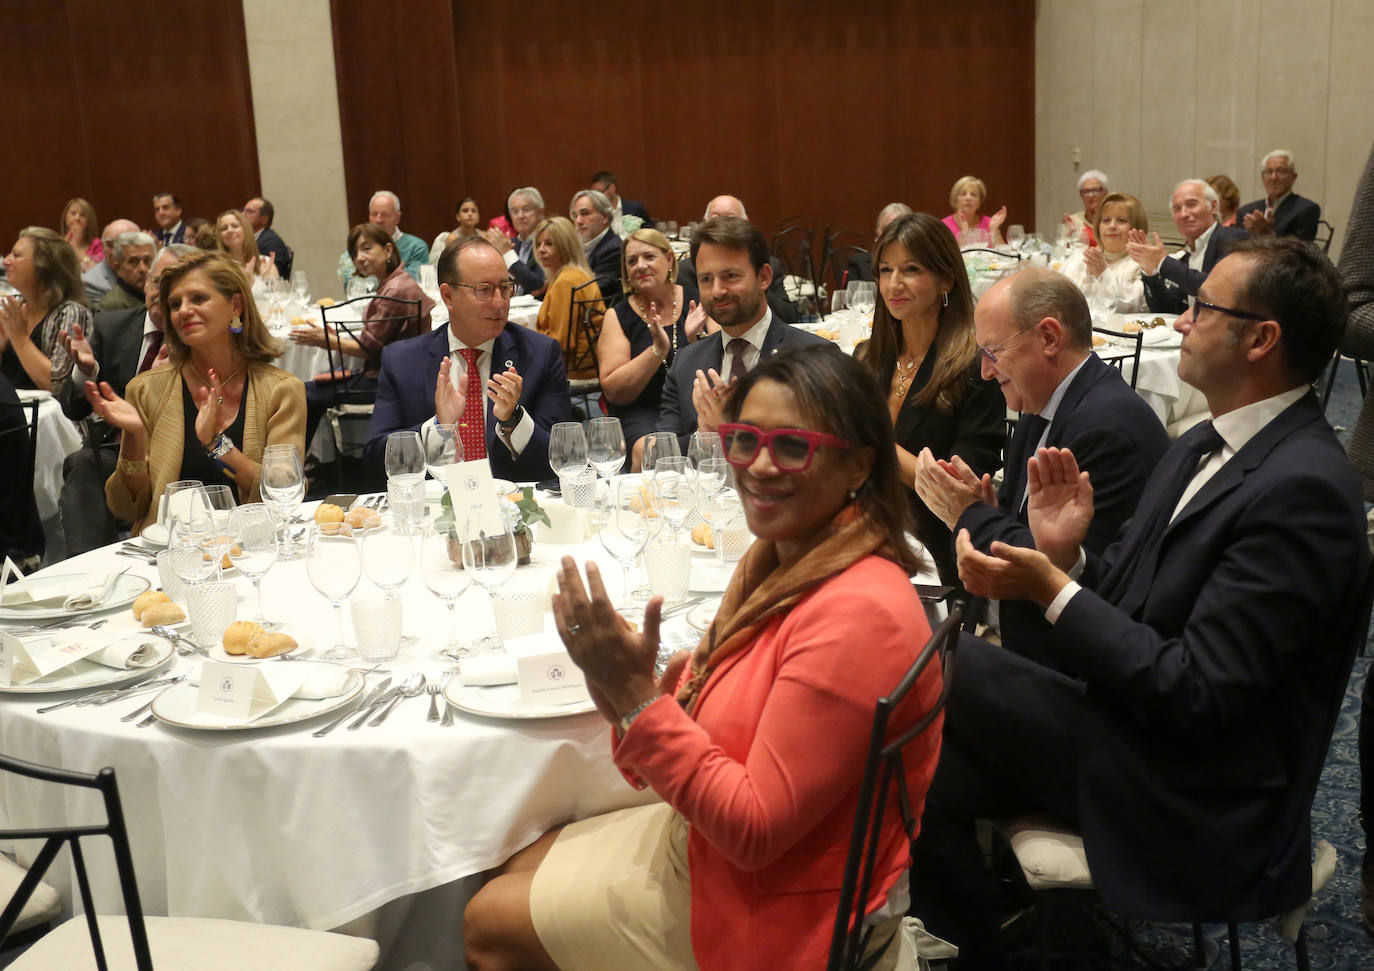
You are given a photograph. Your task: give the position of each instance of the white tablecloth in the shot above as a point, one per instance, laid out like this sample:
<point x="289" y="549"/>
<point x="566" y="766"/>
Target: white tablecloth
<point x="58" y="437"/>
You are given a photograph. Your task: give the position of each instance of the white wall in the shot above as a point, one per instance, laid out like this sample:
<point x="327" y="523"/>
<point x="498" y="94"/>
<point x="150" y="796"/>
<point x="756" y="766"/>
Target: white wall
<point x="300" y="145"/>
<point x="1154" y="91"/>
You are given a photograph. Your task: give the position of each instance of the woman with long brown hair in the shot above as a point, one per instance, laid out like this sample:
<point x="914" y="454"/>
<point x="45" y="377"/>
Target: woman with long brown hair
<point x="44" y="269"/>
<point x="924" y="354"/>
<point x="80" y="228"/>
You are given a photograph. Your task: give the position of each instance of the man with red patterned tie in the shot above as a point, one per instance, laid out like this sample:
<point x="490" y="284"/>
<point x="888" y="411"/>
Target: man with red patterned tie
<point x="121" y="344"/>
<point x="504" y="385"/>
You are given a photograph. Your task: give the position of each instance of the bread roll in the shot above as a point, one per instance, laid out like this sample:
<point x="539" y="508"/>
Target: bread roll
<point x="701" y="535"/>
<point x="329" y="513"/>
<point x="270" y="645"/>
<point x="162" y="613"/>
<point x="145" y="600"/>
<point x="363" y="518"/>
<point x="238" y="634"/>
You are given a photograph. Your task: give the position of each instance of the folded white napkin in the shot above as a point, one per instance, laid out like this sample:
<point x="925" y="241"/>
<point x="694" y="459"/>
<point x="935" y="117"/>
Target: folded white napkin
<point x="130" y="653"/>
<point x="325" y="681"/>
<point x="92" y="598"/>
<point x="487" y="669"/>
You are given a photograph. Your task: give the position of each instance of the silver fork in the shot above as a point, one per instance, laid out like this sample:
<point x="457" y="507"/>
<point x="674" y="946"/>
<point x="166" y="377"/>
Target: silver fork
<point x="435" y="688"/>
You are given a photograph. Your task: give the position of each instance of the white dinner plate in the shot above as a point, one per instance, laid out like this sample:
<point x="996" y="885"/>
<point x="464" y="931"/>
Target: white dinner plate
<point x="504" y="701"/>
<point x="304" y="642"/>
<point x="155" y="535"/>
<point x="126" y="590"/>
<point x="177" y="706"/>
<point x="85" y="675"/>
<point x="700" y="616"/>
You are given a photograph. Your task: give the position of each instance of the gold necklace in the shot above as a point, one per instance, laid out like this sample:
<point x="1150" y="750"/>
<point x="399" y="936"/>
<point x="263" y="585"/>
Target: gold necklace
<point x="205" y="381"/>
<point x="672" y="325"/>
<point x="904" y="375"/>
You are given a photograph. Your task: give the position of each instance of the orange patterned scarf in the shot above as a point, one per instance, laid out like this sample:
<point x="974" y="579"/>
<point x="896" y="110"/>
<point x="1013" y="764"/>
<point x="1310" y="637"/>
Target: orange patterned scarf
<point x="762" y="588"/>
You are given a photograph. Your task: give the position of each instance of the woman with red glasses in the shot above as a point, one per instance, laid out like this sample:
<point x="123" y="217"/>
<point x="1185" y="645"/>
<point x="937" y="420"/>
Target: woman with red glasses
<point x="756" y="743"/>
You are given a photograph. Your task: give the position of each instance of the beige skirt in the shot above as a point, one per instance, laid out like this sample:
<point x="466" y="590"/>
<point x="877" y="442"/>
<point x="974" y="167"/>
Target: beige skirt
<point x="613" y="892"/>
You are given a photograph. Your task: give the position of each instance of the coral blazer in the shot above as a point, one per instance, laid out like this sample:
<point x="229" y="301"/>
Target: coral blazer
<point x="767" y="773"/>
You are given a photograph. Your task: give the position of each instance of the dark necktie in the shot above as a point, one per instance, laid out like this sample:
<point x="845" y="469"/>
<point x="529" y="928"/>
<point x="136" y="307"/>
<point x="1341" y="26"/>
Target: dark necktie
<point x="154" y="345"/>
<point x="1029" y="428"/>
<point x="1183" y="461"/>
<point x="738" y="368"/>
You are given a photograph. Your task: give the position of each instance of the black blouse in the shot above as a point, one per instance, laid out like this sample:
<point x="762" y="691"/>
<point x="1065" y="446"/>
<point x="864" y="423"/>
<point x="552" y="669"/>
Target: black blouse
<point x="195" y="464"/>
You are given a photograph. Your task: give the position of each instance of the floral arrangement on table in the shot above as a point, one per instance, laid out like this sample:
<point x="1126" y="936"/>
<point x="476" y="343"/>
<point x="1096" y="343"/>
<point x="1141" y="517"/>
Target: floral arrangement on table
<point x="528" y="510"/>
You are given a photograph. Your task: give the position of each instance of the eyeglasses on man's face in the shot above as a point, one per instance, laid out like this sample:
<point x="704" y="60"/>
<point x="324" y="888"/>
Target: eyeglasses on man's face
<point x="790" y="448"/>
<point x="484" y="291"/>
<point x="991" y="352"/>
<point x="1199" y="305"/>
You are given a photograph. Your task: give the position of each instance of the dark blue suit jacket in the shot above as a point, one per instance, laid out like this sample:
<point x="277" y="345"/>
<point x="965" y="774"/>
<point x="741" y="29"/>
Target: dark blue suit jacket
<point x="405" y="395"/>
<point x="1168" y="291"/>
<point x="1116" y="438"/>
<point x="631" y="208"/>
<point x="270" y="243"/>
<point x="605" y="263"/>
<point x="527" y="272"/>
<point x="1213" y="678"/>
<point x="1296" y="216"/>
<point x="676" y="413"/>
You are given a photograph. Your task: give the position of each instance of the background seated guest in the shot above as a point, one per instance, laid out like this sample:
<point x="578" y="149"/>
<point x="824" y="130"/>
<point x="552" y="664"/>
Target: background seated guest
<point x="202" y="234"/>
<point x="132" y="255"/>
<point x="1211" y="641"/>
<point x="235" y="238"/>
<point x="210" y="412"/>
<point x="1067" y="398"/>
<point x="559" y="252"/>
<point x="469" y="220"/>
<point x="167" y="216"/>
<point x="1107" y="262"/>
<point x="526" y="208"/>
<point x="1282" y="212"/>
<point x="966" y="198"/>
<point x="1172" y="281"/>
<point x="782" y="308"/>
<point x="259" y="213"/>
<point x="731" y="257"/>
<point x="637" y="348"/>
<point x="590" y="212"/>
<point x="1228" y="198"/>
<point x="923" y="352"/>
<point x="100" y="278"/>
<point x="384" y="210"/>
<point x="756" y="744"/>
<point x="21" y="531"/>
<point x="604" y="182"/>
<point x="861" y="264"/>
<point x="119" y="345"/>
<point x="479" y="357"/>
<point x="1092" y="186"/>
<point x="43" y="268"/>
<point x="374" y="254"/>
<point x="81" y="229"/>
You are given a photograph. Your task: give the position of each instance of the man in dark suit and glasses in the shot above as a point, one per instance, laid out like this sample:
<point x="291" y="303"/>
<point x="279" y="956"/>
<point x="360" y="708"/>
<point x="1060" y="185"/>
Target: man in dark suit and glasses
<point x="1212" y="641"/>
<point x="1068" y="398"/>
<point x="526" y="208"/>
<point x="1282" y="212"/>
<point x="731" y="258"/>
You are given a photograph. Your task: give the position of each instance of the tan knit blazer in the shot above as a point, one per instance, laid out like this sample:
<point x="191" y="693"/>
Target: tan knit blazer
<point x="274" y="412"/>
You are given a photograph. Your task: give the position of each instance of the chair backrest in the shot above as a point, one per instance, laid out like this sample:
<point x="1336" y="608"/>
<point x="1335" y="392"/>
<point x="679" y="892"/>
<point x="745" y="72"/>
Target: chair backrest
<point x="339" y="323"/>
<point x="1324" y="233"/>
<point x="585" y="313"/>
<point x="841" y="263"/>
<point x="1118" y="356"/>
<point x="884" y="773"/>
<point x="55" y="837"/>
<point x="30" y="426"/>
<point x="837" y="248"/>
<point x="793" y="246"/>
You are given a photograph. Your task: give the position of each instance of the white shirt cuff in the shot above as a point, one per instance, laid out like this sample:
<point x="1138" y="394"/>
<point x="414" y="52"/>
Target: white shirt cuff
<point x="1076" y="570"/>
<point x="1058" y="604"/>
<point x="510" y="257"/>
<point x="519" y="436"/>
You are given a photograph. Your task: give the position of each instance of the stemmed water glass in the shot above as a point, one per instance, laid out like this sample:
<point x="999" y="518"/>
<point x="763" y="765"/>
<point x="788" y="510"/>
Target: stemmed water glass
<point x="283" y="489"/>
<point x="219" y="505"/>
<point x="189" y="533"/>
<point x="443" y="447"/>
<point x="861" y="296"/>
<point x="625" y="525"/>
<point x="301" y="284"/>
<point x="255" y="532"/>
<point x="657" y="445"/>
<point x="334" y="566"/>
<point x="441" y="568"/>
<point x="674" y="491"/>
<point x="489" y="557"/>
<point x="606" y="446"/>
<point x="702" y="446"/>
<point x="567" y="447"/>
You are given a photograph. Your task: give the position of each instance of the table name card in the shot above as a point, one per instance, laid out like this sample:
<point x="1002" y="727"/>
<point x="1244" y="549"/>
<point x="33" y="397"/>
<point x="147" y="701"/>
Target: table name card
<point x="37" y="657"/>
<point x="550" y="679"/>
<point x="245" y="692"/>
<point x="473" y="493"/>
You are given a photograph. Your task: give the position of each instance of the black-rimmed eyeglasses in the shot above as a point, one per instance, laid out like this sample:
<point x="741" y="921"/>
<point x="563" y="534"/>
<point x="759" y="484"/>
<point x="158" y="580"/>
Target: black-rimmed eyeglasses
<point x="991" y="352"/>
<point x="1198" y="302"/>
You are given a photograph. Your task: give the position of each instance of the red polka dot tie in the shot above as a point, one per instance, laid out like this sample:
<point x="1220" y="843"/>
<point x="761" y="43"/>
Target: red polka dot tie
<point x="472" y="429"/>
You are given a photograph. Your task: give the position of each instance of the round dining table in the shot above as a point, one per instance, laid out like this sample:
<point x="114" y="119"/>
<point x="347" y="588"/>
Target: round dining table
<point x="382" y="831"/>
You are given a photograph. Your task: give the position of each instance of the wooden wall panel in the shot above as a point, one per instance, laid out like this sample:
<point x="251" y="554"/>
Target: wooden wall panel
<point x="795" y="108"/>
<point x="116" y="101"/>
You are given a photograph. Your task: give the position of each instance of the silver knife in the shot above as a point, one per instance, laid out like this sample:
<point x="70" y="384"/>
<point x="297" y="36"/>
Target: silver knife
<point x="365" y="707"/>
<point x="136" y="689"/>
<point x="366" y="711"/>
<point x="85" y="699"/>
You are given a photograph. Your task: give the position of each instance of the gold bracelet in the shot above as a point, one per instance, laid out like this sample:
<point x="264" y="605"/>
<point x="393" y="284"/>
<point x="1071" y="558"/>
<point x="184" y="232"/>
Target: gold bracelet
<point x="131" y="467"/>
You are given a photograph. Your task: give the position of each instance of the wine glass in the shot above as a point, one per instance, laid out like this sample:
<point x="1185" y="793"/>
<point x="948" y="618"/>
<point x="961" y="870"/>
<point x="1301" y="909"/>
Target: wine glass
<point x="625" y="525"/>
<point x="219" y="504"/>
<point x="300" y="283"/>
<point x="861" y="297"/>
<point x="388" y="558"/>
<point x="567" y="447"/>
<point x="443" y="447"/>
<point x="657" y="445"/>
<point x="441" y="568"/>
<point x="283" y="489"/>
<point x="255" y="531"/>
<point x="703" y="445"/>
<point x="713" y="474"/>
<point x="188" y="534"/>
<point x="170" y="509"/>
<point x="606" y="446"/>
<point x="334" y="566"/>
<point x="489" y="557"/>
<point x="405" y="475"/>
<point x="674" y="491"/>
<point x="724" y="511"/>
<point x="1016" y="235"/>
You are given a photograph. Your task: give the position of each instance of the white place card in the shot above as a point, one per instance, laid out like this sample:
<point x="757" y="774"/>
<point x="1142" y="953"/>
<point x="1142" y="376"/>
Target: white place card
<point x="550" y="679"/>
<point x="246" y="692"/>
<point x="473" y="492"/>
<point x="37" y="657"/>
<point x="17" y="593"/>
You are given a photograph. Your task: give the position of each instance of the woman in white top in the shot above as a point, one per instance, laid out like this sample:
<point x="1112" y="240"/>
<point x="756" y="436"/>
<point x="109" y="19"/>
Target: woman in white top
<point x="1108" y="262"/>
<point x="469" y="220"/>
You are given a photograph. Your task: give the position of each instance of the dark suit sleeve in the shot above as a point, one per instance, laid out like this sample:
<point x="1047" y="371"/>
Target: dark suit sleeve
<point x="981" y="427"/>
<point x="1181" y="275"/>
<point x="1160" y="296"/>
<point x="670" y="413"/>
<point x="530" y="278"/>
<point x="546" y="399"/>
<point x="1304" y="224"/>
<point x="71" y="394"/>
<point x="388" y="413"/>
<point x="687" y="273"/>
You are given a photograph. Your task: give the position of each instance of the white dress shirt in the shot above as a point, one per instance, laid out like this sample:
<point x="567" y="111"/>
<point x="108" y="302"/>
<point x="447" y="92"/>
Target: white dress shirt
<point x="519" y="436"/>
<point x="755" y="336"/>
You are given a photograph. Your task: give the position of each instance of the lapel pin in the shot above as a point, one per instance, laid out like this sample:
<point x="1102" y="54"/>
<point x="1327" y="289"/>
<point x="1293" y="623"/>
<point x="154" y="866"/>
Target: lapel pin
<point x="510" y="364"/>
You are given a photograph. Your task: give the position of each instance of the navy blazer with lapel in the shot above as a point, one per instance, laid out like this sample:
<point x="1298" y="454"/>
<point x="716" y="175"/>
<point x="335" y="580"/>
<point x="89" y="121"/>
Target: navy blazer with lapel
<point x="1115" y="437"/>
<point x="631" y="208"/>
<point x="270" y="243"/>
<point x="116" y="338"/>
<point x="527" y="272"/>
<point x="676" y="413"/>
<point x="1210" y="686"/>
<point x="410" y="370"/>
<point x="1167" y="292"/>
<point x="1296" y="216"/>
<point x="605" y="263"/>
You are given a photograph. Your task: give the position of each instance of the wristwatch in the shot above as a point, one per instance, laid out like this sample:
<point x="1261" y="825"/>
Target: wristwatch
<point x="220" y="446"/>
<point x="630" y="716"/>
<point x="515" y="418"/>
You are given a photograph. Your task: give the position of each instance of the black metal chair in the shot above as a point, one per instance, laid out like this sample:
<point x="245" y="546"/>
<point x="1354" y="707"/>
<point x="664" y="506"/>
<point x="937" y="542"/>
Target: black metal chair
<point x="1324" y="233"/>
<point x="793" y="247"/>
<point x="585" y="313"/>
<point x="1117" y="356"/>
<point x="30" y="426"/>
<point x="237" y="944"/>
<point x="838" y="247"/>
<point x="883" y="778"/>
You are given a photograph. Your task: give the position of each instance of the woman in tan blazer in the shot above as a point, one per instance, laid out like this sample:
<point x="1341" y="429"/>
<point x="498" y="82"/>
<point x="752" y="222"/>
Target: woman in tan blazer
<point x="210" y="411"/>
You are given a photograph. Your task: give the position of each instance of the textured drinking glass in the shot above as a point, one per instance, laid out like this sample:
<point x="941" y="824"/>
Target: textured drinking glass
<point x="212" y="608"/>
<point x="578" y="487"/>
<point x="172" y="585"/>
<point x="519" y="613"/>
<point x="669" y="565"/>
<point x="376" y="625"/>
<point x="334" y="566"/>
<point x="405" y="496"/>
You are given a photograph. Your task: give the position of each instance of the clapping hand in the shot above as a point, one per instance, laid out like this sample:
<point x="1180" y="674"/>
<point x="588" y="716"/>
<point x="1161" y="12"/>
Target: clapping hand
<point x="213" y="414"/>
<point x="312" y="335"/>
<point x="504" y="391"/>
<point x="697" y="324"/>
<point x="661" y="342"/>
<point x="449" y="400"/>
<point x="13" y="321"/>
<point x="78" y="348"/>
<point x="1148" y="252"/>
<point x="948" y="488"/>
<point x="996" y="221"/>
<point x="498" y="239"/>
<point x="1094" y="261"/>
<point x="1258" y="224"/>
<point x="114" y="410"/>
<point x="708" y="398"/>
<point x="1059" y="504"/>
<point x="1008" y="572"/>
